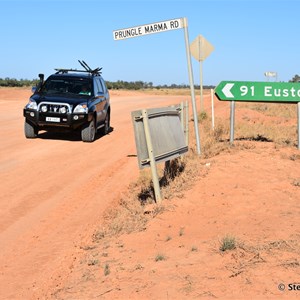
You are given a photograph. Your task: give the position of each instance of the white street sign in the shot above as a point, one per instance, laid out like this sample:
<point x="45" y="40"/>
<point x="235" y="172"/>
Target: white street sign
<point x="270" y="74"/>
<point x="157" y="27"/>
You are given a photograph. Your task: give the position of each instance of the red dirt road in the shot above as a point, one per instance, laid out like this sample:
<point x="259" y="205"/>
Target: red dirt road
<point x="55" y="189"/>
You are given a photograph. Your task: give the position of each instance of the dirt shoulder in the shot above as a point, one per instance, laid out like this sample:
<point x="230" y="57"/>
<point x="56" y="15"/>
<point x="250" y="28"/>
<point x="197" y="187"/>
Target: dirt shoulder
<point x="251" y="195"/>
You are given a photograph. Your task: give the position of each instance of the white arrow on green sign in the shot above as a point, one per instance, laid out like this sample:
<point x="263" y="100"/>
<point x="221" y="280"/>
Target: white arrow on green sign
<point x="282" y="92"/>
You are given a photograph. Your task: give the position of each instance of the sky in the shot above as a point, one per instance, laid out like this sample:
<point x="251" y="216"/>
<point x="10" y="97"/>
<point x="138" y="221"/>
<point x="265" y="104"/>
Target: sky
<point x="250" y="37"/>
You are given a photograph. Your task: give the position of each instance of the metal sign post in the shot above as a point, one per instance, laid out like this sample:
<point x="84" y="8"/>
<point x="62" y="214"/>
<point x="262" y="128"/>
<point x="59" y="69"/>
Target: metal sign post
<point x="191" y="78"/>
<point x="212" y="109"/>
<point x="151" y="157"/>
<point x="158" y="27"/>
<point x="298" y="114"/>
<point x="232" y="115"/>
<point x="186" y="130"/>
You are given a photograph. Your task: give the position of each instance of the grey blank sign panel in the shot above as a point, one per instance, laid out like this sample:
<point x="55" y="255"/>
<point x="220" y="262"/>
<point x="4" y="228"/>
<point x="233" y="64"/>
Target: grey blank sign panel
<point x="166" y="133"/>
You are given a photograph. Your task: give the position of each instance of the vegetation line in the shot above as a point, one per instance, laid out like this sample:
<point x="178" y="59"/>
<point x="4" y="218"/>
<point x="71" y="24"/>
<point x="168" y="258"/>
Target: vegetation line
<point x="117" y="85"/>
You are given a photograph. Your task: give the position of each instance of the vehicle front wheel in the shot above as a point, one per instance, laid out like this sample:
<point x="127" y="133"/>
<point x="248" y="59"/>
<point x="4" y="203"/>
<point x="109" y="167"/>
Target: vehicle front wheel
<point x="88" y="132"/>
<point x="30" y="131"/>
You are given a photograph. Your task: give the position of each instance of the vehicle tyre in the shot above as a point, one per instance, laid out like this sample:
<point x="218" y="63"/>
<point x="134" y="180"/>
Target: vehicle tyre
<point x="30" y="131"/>
<point x="105" y="129"/>
<point x="88" y="132"/>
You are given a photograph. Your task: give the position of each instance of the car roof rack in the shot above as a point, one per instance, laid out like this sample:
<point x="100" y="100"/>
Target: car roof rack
<point x="86" y="67"/>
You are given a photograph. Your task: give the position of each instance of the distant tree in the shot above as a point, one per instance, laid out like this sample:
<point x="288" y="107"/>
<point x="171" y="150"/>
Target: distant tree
<point x="150" y="85"/>
<point x="12" y="82"/>
<point x="296" y="78"/>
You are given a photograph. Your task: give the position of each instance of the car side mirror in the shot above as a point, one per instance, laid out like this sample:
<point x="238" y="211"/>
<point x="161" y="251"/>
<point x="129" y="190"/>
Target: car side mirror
<point x="41" y="76"/>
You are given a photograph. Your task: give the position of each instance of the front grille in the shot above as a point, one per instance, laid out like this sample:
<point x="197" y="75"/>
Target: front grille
<point x="58" y="108"/>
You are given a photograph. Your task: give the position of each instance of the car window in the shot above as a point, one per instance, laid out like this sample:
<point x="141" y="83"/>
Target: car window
<point x="97" y="86"/>
<point x="67" y="86"/>
<point x="103" y="85"/>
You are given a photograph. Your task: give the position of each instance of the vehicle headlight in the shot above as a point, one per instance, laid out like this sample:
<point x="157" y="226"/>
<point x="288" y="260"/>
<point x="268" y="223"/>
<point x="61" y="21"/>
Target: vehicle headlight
<point x="63" y="110"/>
<point x="81" y="108"/>
<point x="44" y="108"/>
<point x="31" y="105"/>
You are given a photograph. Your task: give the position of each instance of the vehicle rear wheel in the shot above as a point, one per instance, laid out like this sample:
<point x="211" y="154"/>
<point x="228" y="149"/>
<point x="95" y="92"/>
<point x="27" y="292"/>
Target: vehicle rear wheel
<point x="30" y="131"/>
<point x="88" y="132"/>
<point x="105" y="129"/>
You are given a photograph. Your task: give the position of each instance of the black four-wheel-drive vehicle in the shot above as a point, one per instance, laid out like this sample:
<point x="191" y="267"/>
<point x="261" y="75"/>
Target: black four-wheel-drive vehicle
<point x="69" y="100"/>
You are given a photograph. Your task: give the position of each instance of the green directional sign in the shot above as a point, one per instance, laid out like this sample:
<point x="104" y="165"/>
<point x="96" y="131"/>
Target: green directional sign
<point x="248" y="91"/>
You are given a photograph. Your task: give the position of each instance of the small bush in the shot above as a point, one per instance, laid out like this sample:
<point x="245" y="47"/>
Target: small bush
<point x="93" y="262"/>
<point x="194" y="249"/>
<point x="181" y="231"/>
<point x="202" y="116"/>
<point x="168" y="238"/>
<point x="160" y="257"/>
<point x="296" y="182"/>
<point x="106" y="269"/>
<point x="228" y="243"/>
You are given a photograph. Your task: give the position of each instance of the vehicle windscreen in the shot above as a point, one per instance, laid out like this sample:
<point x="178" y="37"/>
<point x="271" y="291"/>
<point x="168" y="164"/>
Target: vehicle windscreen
<point x="67" y="87"/>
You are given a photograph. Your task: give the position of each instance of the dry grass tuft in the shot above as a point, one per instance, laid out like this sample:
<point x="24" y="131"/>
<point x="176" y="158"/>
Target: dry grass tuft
<point x="296" y="182"/>
<point x="276" y="124"/>
<point x="126" y="217"/>
<point x="213" y="141"/>
<point x="284" y="111"/>
<point x="227" y="243"/>
<point x="134" y="209"/>
<point x="160" y="257"/>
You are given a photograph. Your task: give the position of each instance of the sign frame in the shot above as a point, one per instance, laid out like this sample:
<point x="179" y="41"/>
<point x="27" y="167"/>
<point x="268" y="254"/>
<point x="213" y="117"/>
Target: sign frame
<point x="152" y="127"/>
<point x="290" y="91"/>
<point x="184" y="25"/>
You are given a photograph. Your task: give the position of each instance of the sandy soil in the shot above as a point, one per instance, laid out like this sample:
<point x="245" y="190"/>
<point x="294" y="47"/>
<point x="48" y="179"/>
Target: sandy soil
<point x="55" y="190"/>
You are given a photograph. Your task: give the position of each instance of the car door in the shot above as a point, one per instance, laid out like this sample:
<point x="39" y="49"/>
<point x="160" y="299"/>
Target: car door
<point x="101" y="100"/>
